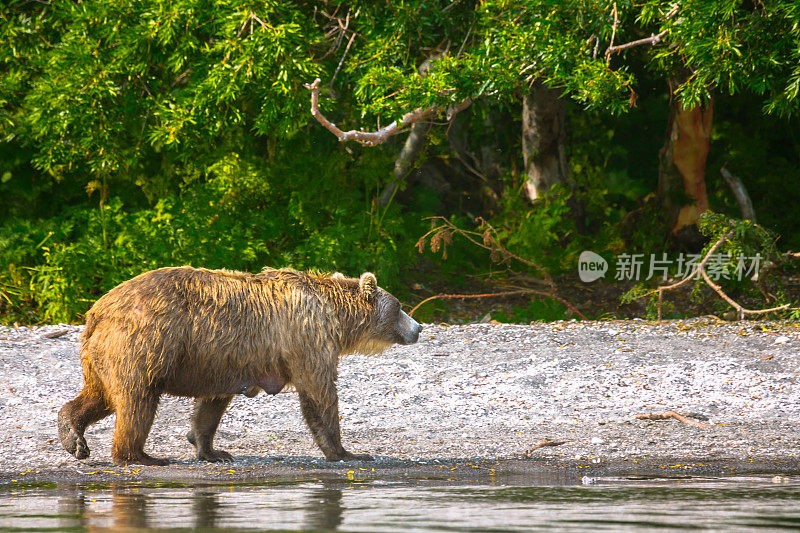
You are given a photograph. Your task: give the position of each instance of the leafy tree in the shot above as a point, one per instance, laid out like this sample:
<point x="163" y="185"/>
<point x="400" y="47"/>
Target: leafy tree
<point x="138" y="134"/>
<point x="594" y="52"/>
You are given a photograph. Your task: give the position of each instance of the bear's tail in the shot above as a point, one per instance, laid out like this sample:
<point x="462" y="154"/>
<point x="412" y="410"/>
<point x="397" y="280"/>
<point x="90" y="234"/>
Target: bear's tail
<point x="91" y="323"/>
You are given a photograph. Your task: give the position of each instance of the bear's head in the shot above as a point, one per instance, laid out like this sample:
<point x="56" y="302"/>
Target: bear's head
<point x="389" y="324"/>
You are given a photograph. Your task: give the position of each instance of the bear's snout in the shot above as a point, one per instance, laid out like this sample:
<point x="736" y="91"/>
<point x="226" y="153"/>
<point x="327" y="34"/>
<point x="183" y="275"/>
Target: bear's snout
<point x="409" y="329"/>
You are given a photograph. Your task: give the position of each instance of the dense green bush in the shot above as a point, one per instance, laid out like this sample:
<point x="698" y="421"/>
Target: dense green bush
<point x="306" y="212"/>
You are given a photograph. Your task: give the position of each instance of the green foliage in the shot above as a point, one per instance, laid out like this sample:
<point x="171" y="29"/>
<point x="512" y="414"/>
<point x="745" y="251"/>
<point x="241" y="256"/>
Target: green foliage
<point x="236" y="216"/>
<point x="532" y="233"/>
<point x="744" y="237"/>
<point x="498" y="48"/>
<point x="741" y="251"/>
<point x="110" y="88"/>
<point x="135" y="134"/>
<point x="641" y="290"/>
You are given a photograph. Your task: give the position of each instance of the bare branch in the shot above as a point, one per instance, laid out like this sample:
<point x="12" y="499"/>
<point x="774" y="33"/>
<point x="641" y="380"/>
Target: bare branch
<point x="740" y="310"/>
<point x="497" y="294"/>
<point x="613" y="33"/>
<point x="405" y="160"/>
<point x="653" y="39"/>
<point x="596" y="45"/>
<point x="255" y="17"/>
<point x="489" y="240"/>
<point x="467" y="296"/>
<point x="337" y="29"/>
<point x="341" y="61"/>
<point x="373" y="138"/>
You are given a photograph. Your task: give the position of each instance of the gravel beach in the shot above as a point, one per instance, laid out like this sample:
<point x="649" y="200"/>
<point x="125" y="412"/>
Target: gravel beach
<point x="479" y="396"/>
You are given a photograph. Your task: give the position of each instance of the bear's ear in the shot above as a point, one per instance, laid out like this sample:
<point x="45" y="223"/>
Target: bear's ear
<point x="337" y="275"/>
<point x="368" y="284"/>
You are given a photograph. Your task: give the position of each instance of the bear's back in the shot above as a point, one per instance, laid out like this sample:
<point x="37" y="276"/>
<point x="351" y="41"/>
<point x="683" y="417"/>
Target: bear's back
<point x="187" y="299"/>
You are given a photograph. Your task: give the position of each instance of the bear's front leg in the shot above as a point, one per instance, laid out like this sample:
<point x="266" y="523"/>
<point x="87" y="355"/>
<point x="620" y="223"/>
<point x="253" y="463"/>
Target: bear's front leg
<point x="321" y="412"/>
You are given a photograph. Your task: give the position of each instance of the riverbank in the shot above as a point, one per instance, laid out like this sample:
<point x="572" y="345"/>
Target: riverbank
<point x="466" y="401"/>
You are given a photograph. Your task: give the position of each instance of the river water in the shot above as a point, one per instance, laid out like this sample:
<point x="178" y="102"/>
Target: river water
<point x="595" y="504"/>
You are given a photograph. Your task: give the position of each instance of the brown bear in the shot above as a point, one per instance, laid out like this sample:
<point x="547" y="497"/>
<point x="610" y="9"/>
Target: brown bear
<point x="212" y="334"/>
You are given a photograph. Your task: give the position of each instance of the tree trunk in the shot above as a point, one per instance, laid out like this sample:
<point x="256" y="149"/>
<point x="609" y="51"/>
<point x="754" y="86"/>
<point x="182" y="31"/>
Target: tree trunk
<point x="479" y="174"/>
<point x="681" y="172"/>
<point x="543" y="138"/>
<point x="406" y="159"/>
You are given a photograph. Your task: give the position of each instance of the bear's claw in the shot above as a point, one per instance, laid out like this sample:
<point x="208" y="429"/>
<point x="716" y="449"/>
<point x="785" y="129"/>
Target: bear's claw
<point x="70" y="439"/>
<point x="212" y="456"/>
<point x="82" y="449"/>
<point x="215" y="456"/>
<point x="347" y="456"/>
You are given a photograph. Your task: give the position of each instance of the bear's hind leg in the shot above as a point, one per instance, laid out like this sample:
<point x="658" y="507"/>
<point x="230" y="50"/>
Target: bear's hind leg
<point x="78" y="414"/>
<point x="322" y="417"/>
<point x="135" y="416"/>
<point x="205" y="420"/>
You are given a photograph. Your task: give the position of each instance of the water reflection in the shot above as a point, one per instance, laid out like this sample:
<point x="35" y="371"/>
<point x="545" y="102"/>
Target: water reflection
<point x="381" y="506"/>
<point x="206" y="508"/>
<point x="128" y="509"/>
<point x="325" y="510"/>
<point x="71" y="509"/>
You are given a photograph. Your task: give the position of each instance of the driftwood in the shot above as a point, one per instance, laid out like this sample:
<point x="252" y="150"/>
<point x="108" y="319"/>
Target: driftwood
<point x="546" y="444"/>
<point x="671" y="414"/>
<point x="55" y="334"/>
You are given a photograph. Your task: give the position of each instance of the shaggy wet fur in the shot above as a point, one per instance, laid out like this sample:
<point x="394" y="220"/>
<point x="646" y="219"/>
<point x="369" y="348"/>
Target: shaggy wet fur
<point x="211" y="334"/>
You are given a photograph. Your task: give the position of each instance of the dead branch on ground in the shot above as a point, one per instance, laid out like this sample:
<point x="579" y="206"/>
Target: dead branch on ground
<point x="671" y="414"/>
<point x="700" y="270"/>
<point x="55" y="334"/>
